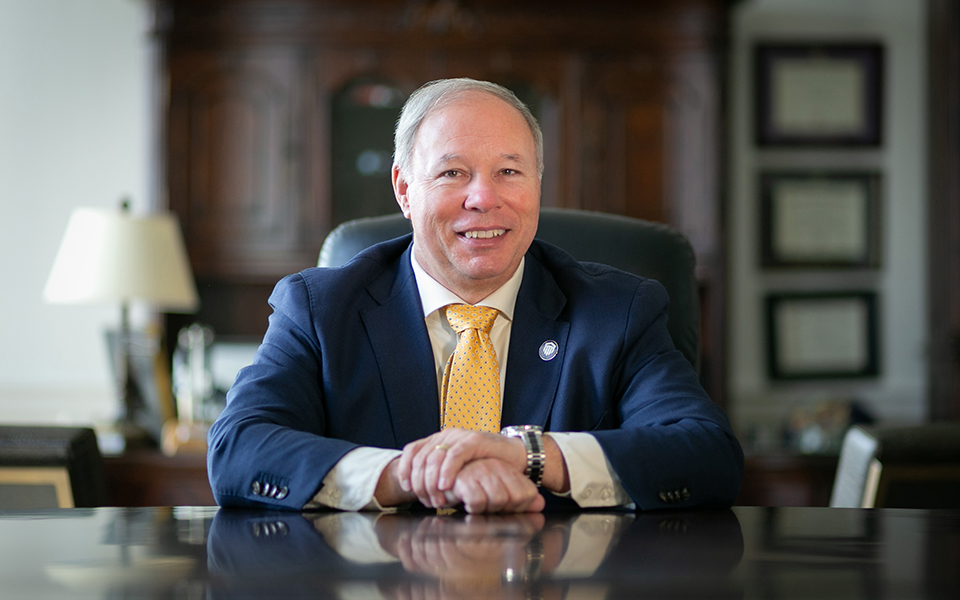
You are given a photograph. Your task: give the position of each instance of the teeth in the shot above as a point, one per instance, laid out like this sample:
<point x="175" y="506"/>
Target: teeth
<point x="484" y="235"/>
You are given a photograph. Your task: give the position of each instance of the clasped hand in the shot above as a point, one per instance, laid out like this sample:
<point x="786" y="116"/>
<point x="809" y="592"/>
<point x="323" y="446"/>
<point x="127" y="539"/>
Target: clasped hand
<point x="482" y="471"/>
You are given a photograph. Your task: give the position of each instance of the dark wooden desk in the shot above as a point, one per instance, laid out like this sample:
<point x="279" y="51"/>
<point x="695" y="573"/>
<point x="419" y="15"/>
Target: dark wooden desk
<point x="746" y="552"/>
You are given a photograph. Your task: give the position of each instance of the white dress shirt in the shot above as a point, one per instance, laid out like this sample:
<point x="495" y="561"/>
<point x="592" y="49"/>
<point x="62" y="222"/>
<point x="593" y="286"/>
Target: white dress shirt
<point x="351" y="483"/>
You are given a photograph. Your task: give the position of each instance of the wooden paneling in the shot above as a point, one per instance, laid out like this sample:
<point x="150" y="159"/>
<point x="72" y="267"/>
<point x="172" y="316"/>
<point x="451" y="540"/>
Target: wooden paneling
<point x="628" y="95"/>
<point x="236" y="132"/>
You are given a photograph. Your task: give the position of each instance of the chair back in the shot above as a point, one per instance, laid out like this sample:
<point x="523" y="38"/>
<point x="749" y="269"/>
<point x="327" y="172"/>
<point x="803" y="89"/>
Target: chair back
<point x="644" y="248"/>
<point x="51" y="467"/>
<point x="899" y="467"/>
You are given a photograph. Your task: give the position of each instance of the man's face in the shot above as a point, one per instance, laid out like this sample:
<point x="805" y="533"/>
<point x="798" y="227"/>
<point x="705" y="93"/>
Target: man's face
<point x="472" y="194"/>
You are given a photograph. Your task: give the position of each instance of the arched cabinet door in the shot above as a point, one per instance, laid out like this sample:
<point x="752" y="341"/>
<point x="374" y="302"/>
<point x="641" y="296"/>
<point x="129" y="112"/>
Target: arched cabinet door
<point x="362" y="118"/>
<point x="236" y="147"/>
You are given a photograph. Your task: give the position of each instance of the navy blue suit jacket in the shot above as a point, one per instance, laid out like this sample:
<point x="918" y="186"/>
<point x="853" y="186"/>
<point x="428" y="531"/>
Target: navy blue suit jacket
<point x="347" y="362"/>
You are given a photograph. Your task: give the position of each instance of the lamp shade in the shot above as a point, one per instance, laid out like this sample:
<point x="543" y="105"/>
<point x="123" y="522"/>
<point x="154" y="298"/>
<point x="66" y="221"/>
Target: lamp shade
<point x="112" y="256"/>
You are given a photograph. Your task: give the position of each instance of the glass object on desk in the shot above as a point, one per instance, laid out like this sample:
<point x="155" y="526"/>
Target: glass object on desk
<point x="193" y="380"/>
<point x="194" y="390"/>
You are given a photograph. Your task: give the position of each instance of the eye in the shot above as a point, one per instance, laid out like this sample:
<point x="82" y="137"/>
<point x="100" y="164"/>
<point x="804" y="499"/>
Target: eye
<point x="450" y="173"/>
<point x="510" y="172"/>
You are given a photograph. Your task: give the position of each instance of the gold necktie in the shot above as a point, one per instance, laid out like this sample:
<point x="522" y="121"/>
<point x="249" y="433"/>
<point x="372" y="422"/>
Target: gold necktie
<point x="470" y="394"/>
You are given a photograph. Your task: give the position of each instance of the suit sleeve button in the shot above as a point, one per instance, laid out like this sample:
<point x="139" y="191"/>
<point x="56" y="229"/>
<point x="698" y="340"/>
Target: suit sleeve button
<point x="282" y="493"/>
<point x="663" y="496"/>
<point x="685" y="493"/>
<point x="255" y="488"/>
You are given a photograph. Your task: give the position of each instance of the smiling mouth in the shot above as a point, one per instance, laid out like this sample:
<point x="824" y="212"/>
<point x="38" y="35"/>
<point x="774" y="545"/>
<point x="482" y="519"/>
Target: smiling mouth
<point x="484" y="235"/>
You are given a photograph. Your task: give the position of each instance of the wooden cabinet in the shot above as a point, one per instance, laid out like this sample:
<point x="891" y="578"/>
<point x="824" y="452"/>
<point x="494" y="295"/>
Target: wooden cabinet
<point x="627" y="93"/>
<point x="787" y="480"/>
<point x="238" y="151"/>
<point x="235" y="171"/>
<point x="148" y="478"/>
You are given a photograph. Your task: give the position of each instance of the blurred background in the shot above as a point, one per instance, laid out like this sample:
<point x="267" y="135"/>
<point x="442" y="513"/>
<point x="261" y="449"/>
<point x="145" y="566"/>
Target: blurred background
<point x="803" y="146"/>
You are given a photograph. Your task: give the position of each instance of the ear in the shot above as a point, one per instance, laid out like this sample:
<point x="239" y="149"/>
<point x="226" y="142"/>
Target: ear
<point x="400" y="188"/>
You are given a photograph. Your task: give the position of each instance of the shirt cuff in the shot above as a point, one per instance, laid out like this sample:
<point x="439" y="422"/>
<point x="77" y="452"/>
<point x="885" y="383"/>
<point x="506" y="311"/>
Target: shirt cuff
<point x="352" y="482"/>
<point x="593" y="482"/>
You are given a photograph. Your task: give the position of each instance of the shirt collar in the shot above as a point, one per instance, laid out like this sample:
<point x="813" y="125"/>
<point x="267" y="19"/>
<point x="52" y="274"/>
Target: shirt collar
<point x="434" y="296"/>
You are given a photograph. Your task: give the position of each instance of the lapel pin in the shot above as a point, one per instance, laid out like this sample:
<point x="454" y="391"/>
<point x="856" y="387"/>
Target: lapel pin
<point x="548" y="350"/>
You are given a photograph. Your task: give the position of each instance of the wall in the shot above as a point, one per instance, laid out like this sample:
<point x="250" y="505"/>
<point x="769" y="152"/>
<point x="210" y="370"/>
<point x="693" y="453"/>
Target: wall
<point x="757" y="404"/>
<point x="74" y="131"/>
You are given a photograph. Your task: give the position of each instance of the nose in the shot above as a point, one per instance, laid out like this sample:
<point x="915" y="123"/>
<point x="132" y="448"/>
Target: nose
<point x="482" y="194"/>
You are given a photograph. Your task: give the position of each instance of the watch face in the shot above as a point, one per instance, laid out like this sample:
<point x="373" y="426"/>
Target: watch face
<point x="518" y="429"/>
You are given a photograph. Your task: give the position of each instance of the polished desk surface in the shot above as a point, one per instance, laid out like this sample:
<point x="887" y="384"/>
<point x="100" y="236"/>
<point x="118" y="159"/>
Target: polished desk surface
<point x="746" y="552"/>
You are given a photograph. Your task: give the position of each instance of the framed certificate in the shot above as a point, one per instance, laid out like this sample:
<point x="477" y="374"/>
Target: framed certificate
<point x="820" y="220"/>
<point x="818" y="94"/>
<point x="822" y="335"/>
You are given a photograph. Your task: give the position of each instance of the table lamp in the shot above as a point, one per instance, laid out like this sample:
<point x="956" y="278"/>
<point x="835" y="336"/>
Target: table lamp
<point x="115" y="257"/>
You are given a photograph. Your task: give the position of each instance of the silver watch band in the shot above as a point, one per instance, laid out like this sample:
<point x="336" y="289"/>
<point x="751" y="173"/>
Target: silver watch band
<point x="532" y="438"/>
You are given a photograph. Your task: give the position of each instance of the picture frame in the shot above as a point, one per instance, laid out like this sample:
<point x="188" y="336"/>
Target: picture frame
<point x="35" y="487"/>
<point x="815" y="219"/>
<point x="151" y="375"/>
<point x="822" y="335"/>
<point x="819" y="94"/>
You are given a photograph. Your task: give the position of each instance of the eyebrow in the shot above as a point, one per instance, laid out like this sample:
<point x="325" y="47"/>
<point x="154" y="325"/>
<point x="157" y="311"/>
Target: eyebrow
<point x="453" y="156"/>
<point x="447" y="158"/>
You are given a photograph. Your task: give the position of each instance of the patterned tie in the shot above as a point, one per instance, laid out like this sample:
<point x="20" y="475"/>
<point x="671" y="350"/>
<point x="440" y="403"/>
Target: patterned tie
<point x="470" y="395"/>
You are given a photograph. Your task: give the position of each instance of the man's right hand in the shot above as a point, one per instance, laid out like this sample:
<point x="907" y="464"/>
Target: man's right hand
<point x="489" y="485"/>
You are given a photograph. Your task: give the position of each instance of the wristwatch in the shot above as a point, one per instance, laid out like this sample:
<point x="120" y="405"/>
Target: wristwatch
<point x="532" y="437"/>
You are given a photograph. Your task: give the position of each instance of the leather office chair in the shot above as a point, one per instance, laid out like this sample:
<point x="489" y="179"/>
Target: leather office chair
<point x="50" y="467"/>
<point x="899" y="467"/>
<point x="649" y="249"/>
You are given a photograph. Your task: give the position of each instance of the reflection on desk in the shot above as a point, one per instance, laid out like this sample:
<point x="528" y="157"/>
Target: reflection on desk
<point x="740" y="553"/>
<point x="536" y="555"/>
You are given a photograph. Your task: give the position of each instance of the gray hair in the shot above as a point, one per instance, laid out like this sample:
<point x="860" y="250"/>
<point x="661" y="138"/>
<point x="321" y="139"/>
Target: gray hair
<point x="442" y="93"/>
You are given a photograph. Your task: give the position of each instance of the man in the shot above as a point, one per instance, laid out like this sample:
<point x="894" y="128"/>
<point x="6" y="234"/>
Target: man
<point x="354" y="365"/>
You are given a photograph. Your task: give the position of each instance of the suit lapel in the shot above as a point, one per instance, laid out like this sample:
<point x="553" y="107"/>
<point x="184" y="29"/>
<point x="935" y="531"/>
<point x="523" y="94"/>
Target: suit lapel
<point x="402" y="348"/>
<point x="532" y="375"/>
